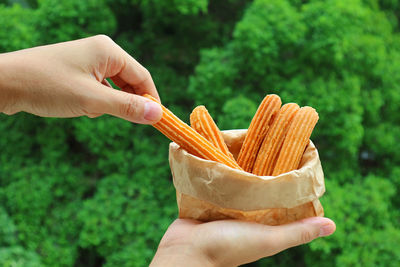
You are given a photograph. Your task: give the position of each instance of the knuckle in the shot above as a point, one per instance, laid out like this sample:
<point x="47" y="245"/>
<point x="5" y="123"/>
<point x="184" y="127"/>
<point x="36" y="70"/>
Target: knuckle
<point x="144" y="76"/>
<point x="101" y="41"/>
<point x="146" y="73"/>
<point x="93" y="115"/>
<point x="10" y="112"/>
<point x="9" y="109"/>
<point x="103" y="38"/>
<point x="130" y="107"/>
<point x="306" y="236"/>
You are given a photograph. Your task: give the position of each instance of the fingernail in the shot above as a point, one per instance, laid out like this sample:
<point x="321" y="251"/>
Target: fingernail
<point x="152" y="111"/>
<point x="326" y="226"/>
<point x="327" y="229"/>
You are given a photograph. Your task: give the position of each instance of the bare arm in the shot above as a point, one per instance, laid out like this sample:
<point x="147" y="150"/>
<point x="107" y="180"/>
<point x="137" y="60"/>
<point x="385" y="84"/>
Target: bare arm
<point x="68" y="80"/>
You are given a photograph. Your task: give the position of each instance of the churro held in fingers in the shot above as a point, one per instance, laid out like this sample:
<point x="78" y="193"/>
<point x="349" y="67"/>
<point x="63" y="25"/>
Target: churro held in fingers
<point x="187" y="138"/>
<point x="257" y="130"/>
<point x="203" y="123"/>
<point x="273" y="141"/>
<point x="296" y="140"/>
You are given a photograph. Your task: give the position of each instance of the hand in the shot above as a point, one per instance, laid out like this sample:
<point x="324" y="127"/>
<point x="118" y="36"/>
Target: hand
<point x="232" y="243"/>
<point x="69" y="80"/>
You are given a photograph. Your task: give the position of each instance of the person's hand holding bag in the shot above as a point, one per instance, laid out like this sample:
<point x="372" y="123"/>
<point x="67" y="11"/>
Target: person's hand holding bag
<point x="228" y="243"/>
<point x="69" y="80"/>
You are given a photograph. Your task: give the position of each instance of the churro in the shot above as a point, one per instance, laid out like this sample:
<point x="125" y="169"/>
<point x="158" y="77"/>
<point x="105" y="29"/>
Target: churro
<point x="270" y="148"/>
<point x="187" y="138"/>
<point x="257" y="130"/>
<point x="203" y="123"/>
<point x="296" y="140"/>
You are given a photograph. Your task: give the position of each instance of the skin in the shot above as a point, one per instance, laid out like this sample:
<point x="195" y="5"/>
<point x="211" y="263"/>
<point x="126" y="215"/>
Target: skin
<point x="233" y="243"/>
<point x="69" y="80"/>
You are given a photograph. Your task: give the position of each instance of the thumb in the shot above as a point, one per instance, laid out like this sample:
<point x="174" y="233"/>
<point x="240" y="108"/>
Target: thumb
<point x="244" y="242"/>
<point x="127" y="106"/>
<point x="300" y="232"/>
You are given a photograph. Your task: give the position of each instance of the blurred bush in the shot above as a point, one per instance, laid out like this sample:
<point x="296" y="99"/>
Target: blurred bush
<point x="93" y="192"/>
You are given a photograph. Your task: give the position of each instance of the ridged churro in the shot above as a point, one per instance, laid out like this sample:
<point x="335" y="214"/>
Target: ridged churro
<point x="257" y="130"/>
<point x="296" y="140"/>
<point x="187" y="138"/>
<point x="203" y="123"/>
<point x="270" y="148"/>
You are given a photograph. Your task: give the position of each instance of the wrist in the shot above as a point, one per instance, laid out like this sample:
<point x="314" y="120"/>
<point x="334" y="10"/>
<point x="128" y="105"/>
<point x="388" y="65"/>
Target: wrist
<point x="9" y="91"/>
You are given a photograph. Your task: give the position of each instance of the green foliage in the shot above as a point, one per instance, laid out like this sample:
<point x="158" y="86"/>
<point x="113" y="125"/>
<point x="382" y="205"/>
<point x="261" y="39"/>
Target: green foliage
<point x="71" y="19"/>
<point x="125" y="211"/>
<point x="14" y="34"/>
<point x="237" y="113"/>
<point x="91" y="192"/>
<point x="214" y="72"/>
<point x="43" y="201"/>
<point x="366" y="228"/>
<point x="53" y="21"/>
<point x="8" y="229"/>
<point x="184" y="7"/>
<point x="19" y="257"/>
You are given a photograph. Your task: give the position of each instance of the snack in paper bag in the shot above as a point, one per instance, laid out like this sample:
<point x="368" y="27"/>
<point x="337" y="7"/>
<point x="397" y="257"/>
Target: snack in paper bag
<point x="210" y="184"/>
<point x="210" y="191"/>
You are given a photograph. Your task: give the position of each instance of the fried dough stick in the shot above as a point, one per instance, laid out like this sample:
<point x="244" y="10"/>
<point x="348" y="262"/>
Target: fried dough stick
<point x="257" y="130"/>
<point x="273" y="141"/>
<point x="187" y="138"/>
<point x="296" y="140"/>
<point x="203" y="123"/>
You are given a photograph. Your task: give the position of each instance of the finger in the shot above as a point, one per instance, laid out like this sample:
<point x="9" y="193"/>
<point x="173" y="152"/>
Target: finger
<point x="131" y="73"/>
<point x="120" y="64"/>
<point x="248" y="242"/>
<point x="122" y="85"/>
<point x="106" y="83"/>
<point x="119" y="82"/>
<point x="300" y="232"/>
<point x="138" y="77"/>
<point x="270" y="240"/>
<point x="124" y="105"/>
<point x="185" y="222"/>
<point x="93" y="115"/>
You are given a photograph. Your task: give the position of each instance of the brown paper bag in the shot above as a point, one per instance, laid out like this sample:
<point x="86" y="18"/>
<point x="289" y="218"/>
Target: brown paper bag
<point x="207" y="190"/>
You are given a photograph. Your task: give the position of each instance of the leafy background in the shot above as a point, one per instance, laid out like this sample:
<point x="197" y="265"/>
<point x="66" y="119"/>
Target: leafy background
<point x="98" y="192"/>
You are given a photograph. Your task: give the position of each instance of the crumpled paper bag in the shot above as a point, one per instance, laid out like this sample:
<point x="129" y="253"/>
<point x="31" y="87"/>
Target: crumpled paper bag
<point x="207" y="190"/>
